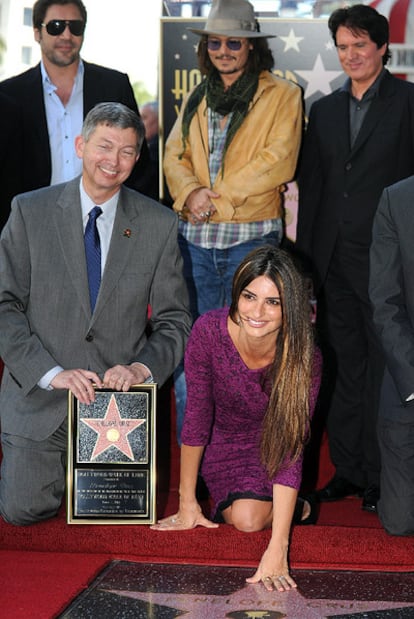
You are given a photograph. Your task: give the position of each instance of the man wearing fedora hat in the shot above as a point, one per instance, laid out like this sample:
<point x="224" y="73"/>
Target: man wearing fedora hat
<point x="229" y="154"/>
<point x="232" y="149"/>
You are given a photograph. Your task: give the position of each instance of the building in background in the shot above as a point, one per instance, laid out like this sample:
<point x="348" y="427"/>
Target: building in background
<point x="131" y="41"/>
<point x="127" y="40"/>
<point x="17" y="34"/>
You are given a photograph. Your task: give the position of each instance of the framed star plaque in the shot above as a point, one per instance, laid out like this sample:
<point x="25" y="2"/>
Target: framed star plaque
<point x="111" y="458"/>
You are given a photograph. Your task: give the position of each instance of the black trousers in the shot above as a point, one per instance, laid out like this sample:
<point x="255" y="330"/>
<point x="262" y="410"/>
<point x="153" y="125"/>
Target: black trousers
<point x="359" y="366"/>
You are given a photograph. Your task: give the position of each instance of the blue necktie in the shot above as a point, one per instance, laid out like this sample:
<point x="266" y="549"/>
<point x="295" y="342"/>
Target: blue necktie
<point x="93" y="254"/>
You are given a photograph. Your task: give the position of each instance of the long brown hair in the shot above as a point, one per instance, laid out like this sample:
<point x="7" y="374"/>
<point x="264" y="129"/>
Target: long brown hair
<point x="286" y="422"/>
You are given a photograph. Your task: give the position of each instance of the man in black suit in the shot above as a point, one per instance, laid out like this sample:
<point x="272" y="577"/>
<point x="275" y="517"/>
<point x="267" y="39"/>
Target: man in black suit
<point x="55" y="96"/>
<point x="392" y="294"/>
<point x="359" y="139"/>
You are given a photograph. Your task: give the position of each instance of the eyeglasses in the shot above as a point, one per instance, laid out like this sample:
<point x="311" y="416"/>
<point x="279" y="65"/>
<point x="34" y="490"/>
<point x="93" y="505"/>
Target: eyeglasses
<point x="54" y="27"/>
<point x="233" y="44"/>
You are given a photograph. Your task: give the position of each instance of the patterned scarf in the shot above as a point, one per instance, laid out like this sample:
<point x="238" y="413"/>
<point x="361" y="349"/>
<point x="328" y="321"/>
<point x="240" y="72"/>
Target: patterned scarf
<point x="235" y="99"/>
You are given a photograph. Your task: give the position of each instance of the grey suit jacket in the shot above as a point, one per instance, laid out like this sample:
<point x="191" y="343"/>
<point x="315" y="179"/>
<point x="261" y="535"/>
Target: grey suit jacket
<point x="45" y="318"/>
<point x="392" y="284"/>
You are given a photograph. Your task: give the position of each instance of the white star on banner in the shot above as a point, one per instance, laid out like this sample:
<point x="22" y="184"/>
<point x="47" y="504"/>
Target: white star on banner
<point x="291" y="41"/>
<point x="318" y="78"/>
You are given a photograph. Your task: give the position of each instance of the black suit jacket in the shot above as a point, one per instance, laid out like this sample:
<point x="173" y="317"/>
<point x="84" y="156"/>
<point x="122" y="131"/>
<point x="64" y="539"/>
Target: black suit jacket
<point x="340" y="186"/>
<point x="100" y="84"/>
<point x="11" y="137"/>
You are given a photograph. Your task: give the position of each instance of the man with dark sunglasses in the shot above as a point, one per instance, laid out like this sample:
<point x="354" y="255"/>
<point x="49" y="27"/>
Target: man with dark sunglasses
<point x="55" y="96"/>
<point x="229" y="155"/>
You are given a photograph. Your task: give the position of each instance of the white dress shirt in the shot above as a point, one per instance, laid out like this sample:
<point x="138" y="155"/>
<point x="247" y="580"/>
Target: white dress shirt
<point x="64" y="123"/>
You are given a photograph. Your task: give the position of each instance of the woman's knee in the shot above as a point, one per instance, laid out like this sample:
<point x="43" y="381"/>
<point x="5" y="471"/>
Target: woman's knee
<point x="250" y="519"/>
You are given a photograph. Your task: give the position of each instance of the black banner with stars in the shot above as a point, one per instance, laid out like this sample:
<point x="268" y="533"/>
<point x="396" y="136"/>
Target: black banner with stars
<point x="303" y="51"/>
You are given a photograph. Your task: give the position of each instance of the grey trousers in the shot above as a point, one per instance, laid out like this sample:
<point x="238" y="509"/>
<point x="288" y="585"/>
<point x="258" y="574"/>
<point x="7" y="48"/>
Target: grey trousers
<point x="396" y="443"/>
<point x="32" y="482"/>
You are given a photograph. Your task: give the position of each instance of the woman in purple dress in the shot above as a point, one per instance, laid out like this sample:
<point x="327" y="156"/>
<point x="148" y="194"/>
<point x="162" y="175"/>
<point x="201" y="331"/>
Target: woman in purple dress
<point x="253" y="377"/>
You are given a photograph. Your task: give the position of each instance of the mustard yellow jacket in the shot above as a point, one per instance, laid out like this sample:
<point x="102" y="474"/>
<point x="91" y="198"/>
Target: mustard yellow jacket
<point x="261" y="157"/>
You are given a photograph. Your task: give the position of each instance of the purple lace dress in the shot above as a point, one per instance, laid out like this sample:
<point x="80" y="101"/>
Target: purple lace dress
<point x="226" y="403"/>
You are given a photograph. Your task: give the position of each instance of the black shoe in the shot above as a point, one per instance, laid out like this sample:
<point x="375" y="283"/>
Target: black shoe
<point x="300" y="504"/>
<point x="371" y="498"/>
<point x="338" y="488"/>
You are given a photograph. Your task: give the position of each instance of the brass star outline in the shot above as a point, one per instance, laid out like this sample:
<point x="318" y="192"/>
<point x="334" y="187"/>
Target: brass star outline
<point x="112" y="430"/>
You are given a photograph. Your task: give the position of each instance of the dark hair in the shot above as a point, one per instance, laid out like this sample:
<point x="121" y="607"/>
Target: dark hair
<point x="362" y="18"/>
<point x="260" y="57"/>
<point x="113" y="114"/>
<point x="286" y="422"/>
<point x="41" y="6"/>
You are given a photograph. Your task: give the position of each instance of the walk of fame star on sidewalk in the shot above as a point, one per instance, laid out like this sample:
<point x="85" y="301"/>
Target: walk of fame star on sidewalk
<point x="166" y="591"/>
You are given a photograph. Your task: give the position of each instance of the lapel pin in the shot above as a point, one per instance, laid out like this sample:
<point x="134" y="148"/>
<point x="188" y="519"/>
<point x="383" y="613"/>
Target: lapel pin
<point x="127" y="233"/>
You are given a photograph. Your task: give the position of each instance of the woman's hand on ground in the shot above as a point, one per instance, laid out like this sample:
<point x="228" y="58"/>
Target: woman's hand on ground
<point x="184" y="519"/>
<point x="273" y="571"/>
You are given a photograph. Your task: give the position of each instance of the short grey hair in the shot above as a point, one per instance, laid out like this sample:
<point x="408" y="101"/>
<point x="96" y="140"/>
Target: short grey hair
<point x="113" y="114"/>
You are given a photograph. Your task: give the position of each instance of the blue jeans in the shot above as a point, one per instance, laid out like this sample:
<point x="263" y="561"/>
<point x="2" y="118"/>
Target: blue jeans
<point x="209" y="275"/>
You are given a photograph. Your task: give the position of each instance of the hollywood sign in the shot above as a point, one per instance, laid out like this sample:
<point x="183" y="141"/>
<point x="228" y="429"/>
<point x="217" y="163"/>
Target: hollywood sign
<point x="402" y="59"/>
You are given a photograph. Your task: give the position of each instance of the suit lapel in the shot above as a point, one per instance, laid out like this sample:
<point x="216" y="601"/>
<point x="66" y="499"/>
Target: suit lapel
<point x="123" y="240"/>
<point x="376" y="113"/>
<point x="91" y="88"/>
<point x="340" y="111"/>
<point x="68" y="222"/>
<point x="69" y="229"/>
<point x="35" y="109"/>
<point x="380" y="107"/>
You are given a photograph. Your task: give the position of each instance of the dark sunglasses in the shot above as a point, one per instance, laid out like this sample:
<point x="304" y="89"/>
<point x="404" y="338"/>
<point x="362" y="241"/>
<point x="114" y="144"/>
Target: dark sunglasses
<point x="233" y="44"/>
<point x="54" y="27"/>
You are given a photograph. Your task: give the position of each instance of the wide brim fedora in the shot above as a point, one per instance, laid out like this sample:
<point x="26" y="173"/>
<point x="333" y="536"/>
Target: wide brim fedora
<point x="232" y="18"/>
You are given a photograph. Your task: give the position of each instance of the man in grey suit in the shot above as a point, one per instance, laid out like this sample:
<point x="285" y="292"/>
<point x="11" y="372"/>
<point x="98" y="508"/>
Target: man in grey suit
<point x="51" y="338"/>
<point x="392" y="294"/>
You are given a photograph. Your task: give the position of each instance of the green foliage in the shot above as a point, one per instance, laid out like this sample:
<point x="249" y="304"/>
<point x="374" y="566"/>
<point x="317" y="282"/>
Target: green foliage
<point x="142" y="95"/>
<point x="3" y="48"/>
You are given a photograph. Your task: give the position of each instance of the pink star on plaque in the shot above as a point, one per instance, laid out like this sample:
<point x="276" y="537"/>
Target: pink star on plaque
<point x="113" y="430"/>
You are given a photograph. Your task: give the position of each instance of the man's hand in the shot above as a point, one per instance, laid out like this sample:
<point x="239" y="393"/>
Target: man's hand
<point x="80" y="382"/>
<point x="199" y="205"/>
<point x="121" y="377"/>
